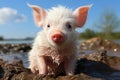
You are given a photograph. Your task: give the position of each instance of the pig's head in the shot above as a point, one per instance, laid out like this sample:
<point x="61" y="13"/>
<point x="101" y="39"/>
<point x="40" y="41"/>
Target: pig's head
<point x="59" y="23"/>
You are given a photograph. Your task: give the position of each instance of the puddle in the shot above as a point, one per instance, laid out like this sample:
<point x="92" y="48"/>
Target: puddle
<point x="24" y="56"/>
<point x="94" y="69"/>
<point x="16" y="56"/>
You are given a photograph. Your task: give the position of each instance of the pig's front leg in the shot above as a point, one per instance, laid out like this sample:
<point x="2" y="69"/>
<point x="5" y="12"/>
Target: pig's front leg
<point x="70" y="65"/>
<point x="42" y="66"/>
<point x="33" y="61"/>
<point x="33" y="66"/>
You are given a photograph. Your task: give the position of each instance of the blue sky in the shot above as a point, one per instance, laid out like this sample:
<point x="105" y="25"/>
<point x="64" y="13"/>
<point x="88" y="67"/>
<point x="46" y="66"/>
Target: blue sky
<point x="16" y="20"/>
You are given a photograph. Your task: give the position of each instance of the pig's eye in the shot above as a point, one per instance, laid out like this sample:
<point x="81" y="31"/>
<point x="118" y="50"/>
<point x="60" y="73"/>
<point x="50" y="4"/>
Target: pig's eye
<point x="48" y="26"/>
<point x="69" y="26"/>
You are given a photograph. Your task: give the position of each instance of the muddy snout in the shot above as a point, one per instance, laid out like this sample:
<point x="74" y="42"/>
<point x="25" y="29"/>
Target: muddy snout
<point x="58" y="37"/>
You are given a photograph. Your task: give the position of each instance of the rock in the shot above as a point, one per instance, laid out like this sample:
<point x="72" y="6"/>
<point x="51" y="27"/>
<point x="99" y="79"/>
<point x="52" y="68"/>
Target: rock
<point x="103" y="57"/>
<point x="16" y="71"/>
<point x="98" y="69"/>
<point x="14" y="48"/>
<point x="96" y="66"/>
<point x="99" y="43"/>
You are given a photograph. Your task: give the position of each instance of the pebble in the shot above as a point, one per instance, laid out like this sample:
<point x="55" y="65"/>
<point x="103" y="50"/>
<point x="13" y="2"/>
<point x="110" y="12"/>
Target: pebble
<point x="15" y="48"/>
<point x="98" y="43"/>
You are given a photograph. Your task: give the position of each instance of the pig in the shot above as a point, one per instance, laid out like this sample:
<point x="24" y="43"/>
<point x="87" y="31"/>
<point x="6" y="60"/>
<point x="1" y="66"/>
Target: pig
<point x="54" y="49"/>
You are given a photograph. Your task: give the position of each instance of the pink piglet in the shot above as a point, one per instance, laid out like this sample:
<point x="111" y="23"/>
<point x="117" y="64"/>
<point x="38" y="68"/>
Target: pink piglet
<point x="54" y="49"/>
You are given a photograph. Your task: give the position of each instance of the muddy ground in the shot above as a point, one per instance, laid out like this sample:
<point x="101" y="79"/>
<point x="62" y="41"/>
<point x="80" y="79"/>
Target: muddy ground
<point x="99" y="65"/>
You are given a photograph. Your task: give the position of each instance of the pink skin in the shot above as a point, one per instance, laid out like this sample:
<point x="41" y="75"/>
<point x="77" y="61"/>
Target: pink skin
<point x="58" y="37"/>
<point x="42" y="67"/>
<point x="70" y="65"/>
<point x="43" y="57"/>
<point x="39" y="65"/>
<point x="43" y="62"/>
<point x="33" y="69"/>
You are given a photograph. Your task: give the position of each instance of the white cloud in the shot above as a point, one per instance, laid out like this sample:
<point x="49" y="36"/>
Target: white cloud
<point x="10" y="15"/>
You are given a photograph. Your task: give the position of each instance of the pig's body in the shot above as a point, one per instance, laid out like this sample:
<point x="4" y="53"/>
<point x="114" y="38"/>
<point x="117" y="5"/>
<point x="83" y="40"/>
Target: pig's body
<point x="54" y="49"/>
<point x="55" y="58"/>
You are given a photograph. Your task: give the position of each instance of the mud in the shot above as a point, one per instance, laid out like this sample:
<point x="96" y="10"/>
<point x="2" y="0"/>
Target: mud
<point x="89" y="67"/>
<point x="98" y="65"/>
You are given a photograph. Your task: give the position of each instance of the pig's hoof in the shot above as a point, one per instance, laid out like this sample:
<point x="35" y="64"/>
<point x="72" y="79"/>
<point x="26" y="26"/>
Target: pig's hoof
<point x="42" y="75"/>
<point x="70" y="73"/>
<point x="33" y="70"/>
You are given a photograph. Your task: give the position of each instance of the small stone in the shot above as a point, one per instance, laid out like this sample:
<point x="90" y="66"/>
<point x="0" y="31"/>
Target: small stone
<point x="115" y="50"/>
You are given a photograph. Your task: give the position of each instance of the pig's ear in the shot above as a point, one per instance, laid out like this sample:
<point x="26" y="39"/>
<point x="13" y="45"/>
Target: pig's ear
<point x="81" y="15"/>
<point x="38" y="14"/>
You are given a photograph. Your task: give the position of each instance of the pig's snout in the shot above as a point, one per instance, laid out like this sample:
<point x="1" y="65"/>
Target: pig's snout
<point x="58" y="37"/>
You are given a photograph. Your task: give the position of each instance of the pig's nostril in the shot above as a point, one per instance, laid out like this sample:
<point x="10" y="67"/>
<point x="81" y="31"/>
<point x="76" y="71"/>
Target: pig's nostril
<point x="58" y="38"/>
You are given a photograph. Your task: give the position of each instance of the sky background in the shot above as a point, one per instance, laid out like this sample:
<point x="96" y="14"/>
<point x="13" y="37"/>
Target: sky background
<point x="16" y="20"/>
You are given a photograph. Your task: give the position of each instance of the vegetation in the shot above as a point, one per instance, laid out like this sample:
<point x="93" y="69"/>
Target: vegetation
<point x="107" y="24"/>
<point x="91" y="33"/>
<point x="88" y="34"/>
<point x="29" y="38"/>
<point x="1" y="38"/>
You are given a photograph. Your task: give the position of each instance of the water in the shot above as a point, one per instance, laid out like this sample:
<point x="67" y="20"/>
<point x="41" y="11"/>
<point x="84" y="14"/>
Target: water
<point x="17" y="42"/>
<point x="24" y="56"/>
<point x="117" y="41"/>
<point x="31" y="41"/>
<point x="16" y="56"/>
